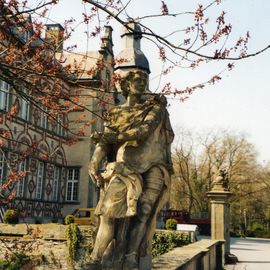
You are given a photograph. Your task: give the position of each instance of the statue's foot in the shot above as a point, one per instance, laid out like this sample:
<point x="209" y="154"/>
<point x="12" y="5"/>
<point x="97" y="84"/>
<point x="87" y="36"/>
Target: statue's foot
<point x="131" y="262"/>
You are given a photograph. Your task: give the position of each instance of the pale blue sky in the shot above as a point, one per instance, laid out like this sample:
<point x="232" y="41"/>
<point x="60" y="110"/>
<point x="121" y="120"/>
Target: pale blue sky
<point x="240" y="102"/>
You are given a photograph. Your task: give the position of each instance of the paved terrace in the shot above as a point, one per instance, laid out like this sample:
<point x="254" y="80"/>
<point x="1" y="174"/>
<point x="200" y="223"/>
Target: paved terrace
<point x="252" y="253"/>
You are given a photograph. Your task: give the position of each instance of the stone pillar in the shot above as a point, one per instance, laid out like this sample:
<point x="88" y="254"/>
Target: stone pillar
<point x="220" y="211"/>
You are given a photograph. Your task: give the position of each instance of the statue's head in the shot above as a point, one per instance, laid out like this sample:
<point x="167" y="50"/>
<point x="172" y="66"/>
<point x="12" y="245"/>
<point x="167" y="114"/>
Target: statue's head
<point x="133" y="82"/>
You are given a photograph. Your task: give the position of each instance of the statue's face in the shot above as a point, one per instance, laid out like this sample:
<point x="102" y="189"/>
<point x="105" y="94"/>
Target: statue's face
<point x="138" y="83"/>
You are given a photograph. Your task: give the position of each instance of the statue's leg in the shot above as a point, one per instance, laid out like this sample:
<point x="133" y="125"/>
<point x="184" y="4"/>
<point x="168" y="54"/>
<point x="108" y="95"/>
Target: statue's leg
<point x="112" y="206"/>
<point x="153" y="182"/>
<point x="104" y="237"/>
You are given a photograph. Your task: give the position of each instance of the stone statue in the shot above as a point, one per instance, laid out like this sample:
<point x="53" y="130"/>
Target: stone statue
<point x="134" y="186"/>
<point x="221" y="181"/>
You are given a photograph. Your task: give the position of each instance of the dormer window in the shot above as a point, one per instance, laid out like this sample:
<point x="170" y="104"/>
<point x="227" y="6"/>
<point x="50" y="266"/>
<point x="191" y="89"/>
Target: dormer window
<point x="26" y="36"/>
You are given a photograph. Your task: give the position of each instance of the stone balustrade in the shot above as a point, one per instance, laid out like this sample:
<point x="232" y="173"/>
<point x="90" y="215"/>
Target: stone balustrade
<point x="201" y="255"/>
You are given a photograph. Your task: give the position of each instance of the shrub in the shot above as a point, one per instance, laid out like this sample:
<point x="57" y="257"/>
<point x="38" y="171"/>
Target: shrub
<point x="267" y="234"/>
<point x="171" y="224"/>
<point x="164" y="241"/>
<point x="257" y="229"/>
<point x="258" y="233"/>
<point x="235" y="234"/>
<point x="74" y="240"/>
<point x="14" y="262"/>
<point x="69" y="219"/>
<point x="11" y="216"/>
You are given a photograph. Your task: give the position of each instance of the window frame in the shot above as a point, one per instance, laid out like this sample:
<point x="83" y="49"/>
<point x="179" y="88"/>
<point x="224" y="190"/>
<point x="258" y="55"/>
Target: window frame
<point x="21" y="183"/>
<point x="25" y="108"/>
<point x="4" y="95"/>
<point x="60" y="123"/>
<point x="56" y="180"/>
<point x="40" y="180"/>
<point x="72" y="188"/>
<point x="26" y="35"/>
<point x="2" y="167"/>
<point x="43" y="117"/>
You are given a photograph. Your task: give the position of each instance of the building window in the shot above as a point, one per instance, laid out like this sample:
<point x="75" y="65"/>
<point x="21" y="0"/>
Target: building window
<point x="40" y="176"/>
<point x="2" y="167"/>
<point x="25" y="108"/>
<point x="56" y="176"/>
<point x="21" y="182"/>
<point x="60" y="123"/>
<point x="43" y="120"/>
<point x="4" y="95"/>
<point x="72" y="184"/>
<point x="108" y="80"/>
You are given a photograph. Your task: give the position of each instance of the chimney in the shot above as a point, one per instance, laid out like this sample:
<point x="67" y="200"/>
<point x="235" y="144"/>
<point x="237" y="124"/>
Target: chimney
<point x="54" y="34"/>
<point x="106" y="40"/>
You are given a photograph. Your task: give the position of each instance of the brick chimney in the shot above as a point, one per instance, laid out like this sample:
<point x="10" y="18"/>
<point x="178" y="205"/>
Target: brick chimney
<point x="106" y="40"/>
<point x="54" y="34"/>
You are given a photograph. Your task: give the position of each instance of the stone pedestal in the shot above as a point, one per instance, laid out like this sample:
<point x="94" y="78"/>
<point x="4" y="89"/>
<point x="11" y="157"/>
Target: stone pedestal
<point x="220" y="213"/>
<point x="220" y="216"/>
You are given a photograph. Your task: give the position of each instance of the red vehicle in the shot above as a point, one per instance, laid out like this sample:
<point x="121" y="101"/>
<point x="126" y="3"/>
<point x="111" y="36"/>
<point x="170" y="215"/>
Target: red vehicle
<point x="201" y="219"/>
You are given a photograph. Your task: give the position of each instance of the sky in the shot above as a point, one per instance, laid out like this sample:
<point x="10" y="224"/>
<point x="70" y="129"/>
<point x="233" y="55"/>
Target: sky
<point x="239" y="103"/>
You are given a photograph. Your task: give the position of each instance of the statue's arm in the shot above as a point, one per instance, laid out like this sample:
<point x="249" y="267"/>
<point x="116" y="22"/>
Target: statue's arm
<point x="140" y="132"/>
<point x="150" y="123"/>
<point x="99" y="155"/>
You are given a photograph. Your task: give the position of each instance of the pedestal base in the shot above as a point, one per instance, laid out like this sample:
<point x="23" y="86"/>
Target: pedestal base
<point x="230" y="258"/>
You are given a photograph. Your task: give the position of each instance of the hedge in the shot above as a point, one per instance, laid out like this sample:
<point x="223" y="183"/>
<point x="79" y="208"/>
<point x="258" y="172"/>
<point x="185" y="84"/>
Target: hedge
<point x="164" y="241"/>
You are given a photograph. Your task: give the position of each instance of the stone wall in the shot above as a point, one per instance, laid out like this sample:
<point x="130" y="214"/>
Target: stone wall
<point x="45" y="245"/>
<point x="43" y="254"/>
<point x="203" y="255"/>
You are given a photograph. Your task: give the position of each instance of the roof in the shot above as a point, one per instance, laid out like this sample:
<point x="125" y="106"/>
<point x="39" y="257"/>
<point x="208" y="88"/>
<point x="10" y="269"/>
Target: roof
<point x="84" y="62"/>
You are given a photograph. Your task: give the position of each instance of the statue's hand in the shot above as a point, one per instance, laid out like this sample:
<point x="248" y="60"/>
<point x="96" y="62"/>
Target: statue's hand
<point x="107" y="137"/>
<point x="95" y="175"/>
<point x="96" y="136"/>
<point x="110" y="137"/>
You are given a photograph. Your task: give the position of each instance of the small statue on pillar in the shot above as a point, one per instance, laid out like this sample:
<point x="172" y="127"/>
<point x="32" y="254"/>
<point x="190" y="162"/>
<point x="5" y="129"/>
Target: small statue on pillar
<point x="221" y="180"/>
